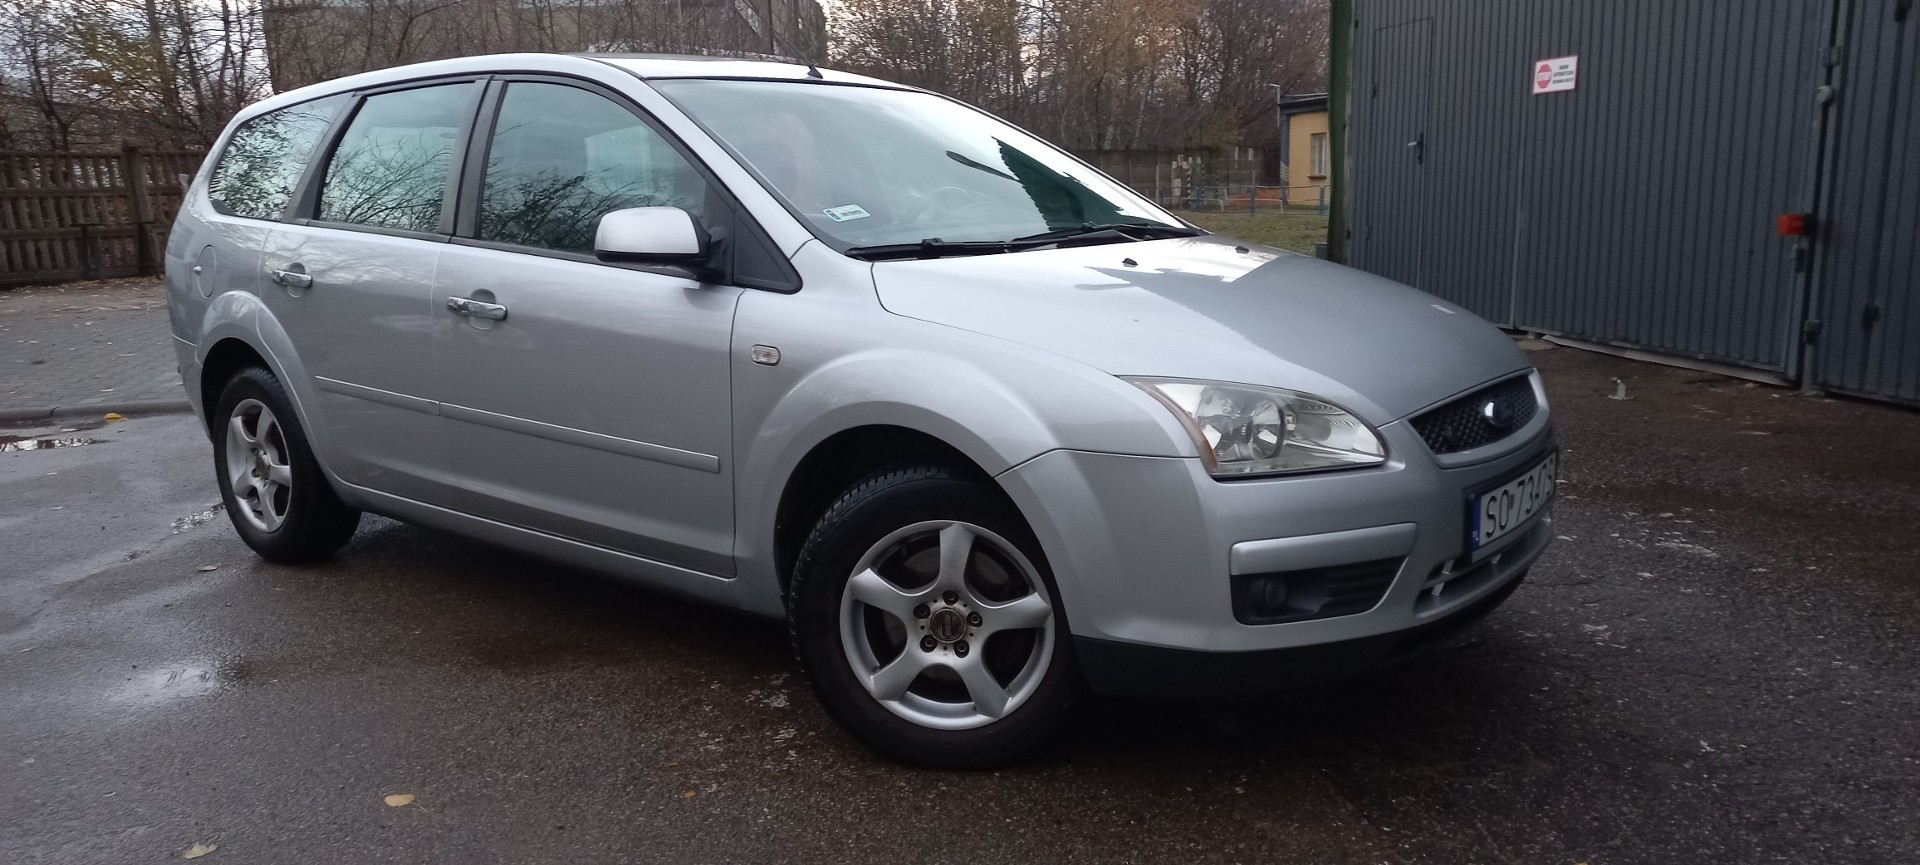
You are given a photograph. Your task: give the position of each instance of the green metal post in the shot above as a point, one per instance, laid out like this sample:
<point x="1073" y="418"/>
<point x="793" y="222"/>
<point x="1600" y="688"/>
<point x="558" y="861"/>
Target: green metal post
<point x="1339" y="93"/>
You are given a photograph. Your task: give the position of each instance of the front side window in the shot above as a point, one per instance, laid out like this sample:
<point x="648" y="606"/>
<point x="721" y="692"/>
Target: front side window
<point x="1319" y="144"/>
<point x="561" y="157"/>
<point x="390" y="168"/>
<point x="265" y="157"/>
<point x="867" y="166"/>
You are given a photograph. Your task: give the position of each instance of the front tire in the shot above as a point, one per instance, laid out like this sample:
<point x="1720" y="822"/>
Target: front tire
<point x="278" y="498"/>
<point x="925" y="618"/>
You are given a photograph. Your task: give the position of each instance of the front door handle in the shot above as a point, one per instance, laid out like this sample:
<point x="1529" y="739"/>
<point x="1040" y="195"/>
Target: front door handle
<point x="477" y="308"/>
<point x="290" y="278"/>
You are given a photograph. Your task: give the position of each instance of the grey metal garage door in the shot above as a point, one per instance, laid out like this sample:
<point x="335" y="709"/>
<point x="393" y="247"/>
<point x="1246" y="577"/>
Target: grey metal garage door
<point x="1394" y="230"/>
<point x="1637" y="209"/>
<point x="1868" y="294"/>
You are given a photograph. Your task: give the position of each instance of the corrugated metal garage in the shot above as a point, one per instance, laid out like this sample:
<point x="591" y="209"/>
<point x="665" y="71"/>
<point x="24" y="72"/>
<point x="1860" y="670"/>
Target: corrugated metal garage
<point x="1616" y="172"/>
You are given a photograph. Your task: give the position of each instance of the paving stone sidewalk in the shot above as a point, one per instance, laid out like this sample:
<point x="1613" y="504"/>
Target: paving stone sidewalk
<point x="86" y="347"/>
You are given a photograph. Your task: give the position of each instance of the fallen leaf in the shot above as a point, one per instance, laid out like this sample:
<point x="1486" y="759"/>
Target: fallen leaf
<point x="206" y="568"/>
<point x="398" y="799"/>
<point x="116" y="416"/>
<point x="199" y="850"/>
<point x="690" y="794"/>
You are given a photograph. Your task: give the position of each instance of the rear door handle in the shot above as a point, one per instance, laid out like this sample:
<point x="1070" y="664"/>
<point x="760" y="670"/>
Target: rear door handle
<point x="477" y="308"/>
<point x="290" y="278"/>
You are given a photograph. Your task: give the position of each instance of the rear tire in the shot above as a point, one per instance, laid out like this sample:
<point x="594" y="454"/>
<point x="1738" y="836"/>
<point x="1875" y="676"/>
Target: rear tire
<point x="276" y="495"/>
<point x="925" y="618"/>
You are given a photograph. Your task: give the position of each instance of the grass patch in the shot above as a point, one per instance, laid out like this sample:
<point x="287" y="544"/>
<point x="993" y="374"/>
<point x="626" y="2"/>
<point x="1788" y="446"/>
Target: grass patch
<point x="1294" y="231"/>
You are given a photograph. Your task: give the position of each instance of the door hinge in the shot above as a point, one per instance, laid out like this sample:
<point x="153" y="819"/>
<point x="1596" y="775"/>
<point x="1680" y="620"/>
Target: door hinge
<point x="1810" y="331"/>
<point x="1831" y="55"/>
<point x="1870" y="315"/>
<point x="1799" y="255"/>
<point x="1900" y="10"/>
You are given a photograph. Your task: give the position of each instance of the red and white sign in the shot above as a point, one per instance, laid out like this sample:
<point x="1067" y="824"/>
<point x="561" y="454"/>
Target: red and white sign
<point x="1555" y="74"/>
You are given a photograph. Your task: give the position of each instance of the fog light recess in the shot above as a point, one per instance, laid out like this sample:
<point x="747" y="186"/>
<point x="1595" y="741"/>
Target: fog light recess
<point x="1315" y="593"/>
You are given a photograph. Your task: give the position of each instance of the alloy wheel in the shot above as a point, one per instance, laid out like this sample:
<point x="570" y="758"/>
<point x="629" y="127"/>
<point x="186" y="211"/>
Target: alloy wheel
<point x="947" y="625"/>
<point x="257" y="467"/>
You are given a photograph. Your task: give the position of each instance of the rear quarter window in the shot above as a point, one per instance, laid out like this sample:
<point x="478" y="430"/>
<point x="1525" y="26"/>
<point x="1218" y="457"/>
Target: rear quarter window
<point x="266" y="156"/>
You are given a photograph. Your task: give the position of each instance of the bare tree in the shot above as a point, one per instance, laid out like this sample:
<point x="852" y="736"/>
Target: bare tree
<point x="1097" y="74"/>
<point x="1090" y="74"/>
<point x="163" y="72"/>
<point x="172" y="72"/>
<point x="46" y="98"/>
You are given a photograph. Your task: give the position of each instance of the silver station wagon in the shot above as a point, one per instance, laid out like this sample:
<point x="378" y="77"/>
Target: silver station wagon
<point x="985" y="427"/>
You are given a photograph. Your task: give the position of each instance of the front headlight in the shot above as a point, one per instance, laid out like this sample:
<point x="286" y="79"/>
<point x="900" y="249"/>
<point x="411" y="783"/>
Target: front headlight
<point x="1246" y="430"/>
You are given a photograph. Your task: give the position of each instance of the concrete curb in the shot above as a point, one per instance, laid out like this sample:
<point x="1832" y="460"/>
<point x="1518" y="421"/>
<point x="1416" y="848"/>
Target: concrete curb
<point x="144" y="406"/>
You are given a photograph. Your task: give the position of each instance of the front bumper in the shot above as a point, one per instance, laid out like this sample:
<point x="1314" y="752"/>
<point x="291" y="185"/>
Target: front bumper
<point x="1145" y="551"/>
<point x="1134" y="670"/>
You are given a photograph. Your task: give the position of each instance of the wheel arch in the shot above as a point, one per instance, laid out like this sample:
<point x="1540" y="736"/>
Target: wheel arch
<point x="244" y="334"/>
<point x="224" y="358"/>
<point x="841" y="460"/>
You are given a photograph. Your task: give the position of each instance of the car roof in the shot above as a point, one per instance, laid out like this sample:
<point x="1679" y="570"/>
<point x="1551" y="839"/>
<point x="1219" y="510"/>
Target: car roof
<point x="646" y="66"/>
<point x="691" y="66"/>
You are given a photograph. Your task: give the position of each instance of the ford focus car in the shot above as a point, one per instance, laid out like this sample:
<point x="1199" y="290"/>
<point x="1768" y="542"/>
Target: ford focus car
<point x="985" y="427"/>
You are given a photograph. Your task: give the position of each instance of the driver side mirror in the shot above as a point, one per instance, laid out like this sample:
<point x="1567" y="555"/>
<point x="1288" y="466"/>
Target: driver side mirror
<point x="651" y="235"/>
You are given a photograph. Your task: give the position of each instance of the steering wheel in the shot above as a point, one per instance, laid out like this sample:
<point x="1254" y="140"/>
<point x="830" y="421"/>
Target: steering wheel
<point x="953" y="197"/>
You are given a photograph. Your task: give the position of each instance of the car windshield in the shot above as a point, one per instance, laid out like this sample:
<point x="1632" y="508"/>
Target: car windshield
<point x="869" y="167"/>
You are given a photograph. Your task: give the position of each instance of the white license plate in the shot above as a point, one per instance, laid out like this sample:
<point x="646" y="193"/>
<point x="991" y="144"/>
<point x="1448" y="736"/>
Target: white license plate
<point x="1509" y="506"/>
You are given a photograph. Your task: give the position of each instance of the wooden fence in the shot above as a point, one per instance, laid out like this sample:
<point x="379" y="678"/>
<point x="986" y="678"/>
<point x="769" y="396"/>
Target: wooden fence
<point x="66" y="216"/>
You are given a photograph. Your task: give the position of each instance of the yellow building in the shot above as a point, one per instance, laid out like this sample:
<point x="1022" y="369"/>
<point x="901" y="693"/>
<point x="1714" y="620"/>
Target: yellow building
<point x="1306" y="154"/>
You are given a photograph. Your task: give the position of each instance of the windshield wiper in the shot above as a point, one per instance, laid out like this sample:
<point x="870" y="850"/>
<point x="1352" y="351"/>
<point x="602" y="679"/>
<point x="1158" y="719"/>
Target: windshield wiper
<point x="934" y="247"/>
<point x="1123" y="230"/>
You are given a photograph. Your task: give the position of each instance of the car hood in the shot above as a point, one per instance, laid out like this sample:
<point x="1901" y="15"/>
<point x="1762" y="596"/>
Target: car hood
<point x="1216" y="309"/>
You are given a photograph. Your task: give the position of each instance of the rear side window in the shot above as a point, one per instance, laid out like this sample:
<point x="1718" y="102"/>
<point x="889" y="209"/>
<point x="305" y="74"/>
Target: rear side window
<point x="265" y="157"/>
<point x="391" y="166"/>
<point x="561" y="157"/>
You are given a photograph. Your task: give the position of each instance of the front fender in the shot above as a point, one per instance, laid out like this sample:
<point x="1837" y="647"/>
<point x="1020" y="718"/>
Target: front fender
<point x="998" y="403"/>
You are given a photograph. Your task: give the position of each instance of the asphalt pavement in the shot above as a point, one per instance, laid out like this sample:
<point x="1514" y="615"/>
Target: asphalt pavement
<point x="1714" y="663"/>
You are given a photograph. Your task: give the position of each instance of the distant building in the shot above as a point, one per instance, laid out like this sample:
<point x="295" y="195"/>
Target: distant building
<point x="1306" y="154"/>
<point x="316" y="40"/>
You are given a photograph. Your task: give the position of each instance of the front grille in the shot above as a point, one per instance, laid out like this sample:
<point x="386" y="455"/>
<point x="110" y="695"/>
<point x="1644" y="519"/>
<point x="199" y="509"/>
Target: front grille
<point x="1314" y="593"/>
<point x="1462" y="425"/>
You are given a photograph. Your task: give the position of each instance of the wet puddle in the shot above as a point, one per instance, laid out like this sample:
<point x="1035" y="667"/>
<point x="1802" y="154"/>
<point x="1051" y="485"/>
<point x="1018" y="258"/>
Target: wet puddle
<point x="192" y="521"/>
<point x="164" y="683"/>
<point x="9" y="444"/>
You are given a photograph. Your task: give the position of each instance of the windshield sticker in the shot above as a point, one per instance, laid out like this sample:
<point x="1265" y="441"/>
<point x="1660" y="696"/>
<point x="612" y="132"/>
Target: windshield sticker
<point x="846" y="212"/>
